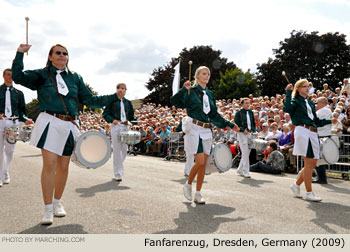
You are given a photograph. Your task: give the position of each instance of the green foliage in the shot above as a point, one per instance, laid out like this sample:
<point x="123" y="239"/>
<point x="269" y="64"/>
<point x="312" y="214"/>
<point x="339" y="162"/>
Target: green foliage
<point x="318" y="58"/>
<point x="160" y="84"/>
<point x="33" y="109"/>
<point x="234" y="84"/>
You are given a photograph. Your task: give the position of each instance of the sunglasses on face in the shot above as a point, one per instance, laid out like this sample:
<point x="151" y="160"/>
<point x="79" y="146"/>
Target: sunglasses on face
<point x="59" y="53"/>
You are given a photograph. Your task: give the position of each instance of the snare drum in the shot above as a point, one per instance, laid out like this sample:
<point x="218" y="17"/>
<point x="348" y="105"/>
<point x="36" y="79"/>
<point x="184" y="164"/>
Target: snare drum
<point x="92" y="149"/>
<point x="24" y="135"/>
<point x="329" y="150"/>
<point x="219" y="160"/>
<point x="129" y="137"/>
<point x="11" y="135"/>
<point x="259" y="144"/>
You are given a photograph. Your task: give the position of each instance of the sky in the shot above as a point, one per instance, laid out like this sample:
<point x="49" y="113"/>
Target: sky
<point x="123" y="41"/>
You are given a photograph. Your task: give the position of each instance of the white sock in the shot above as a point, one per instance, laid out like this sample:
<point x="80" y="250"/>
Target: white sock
<point x="198" y="192"/>
<point x="49" y="207"/>
<point x="56" y="201"/>
<point x="296" y="184"/>
<point x="187" y="184"/>
<point x="309" y="193"/>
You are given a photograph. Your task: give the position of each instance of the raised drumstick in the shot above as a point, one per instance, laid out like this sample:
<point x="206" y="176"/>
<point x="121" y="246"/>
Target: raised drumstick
<point x="285" y="76"/>
<point x="27" y="19"/>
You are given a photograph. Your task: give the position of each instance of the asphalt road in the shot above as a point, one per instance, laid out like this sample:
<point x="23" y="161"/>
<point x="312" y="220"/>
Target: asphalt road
<point x="149" y="200"/>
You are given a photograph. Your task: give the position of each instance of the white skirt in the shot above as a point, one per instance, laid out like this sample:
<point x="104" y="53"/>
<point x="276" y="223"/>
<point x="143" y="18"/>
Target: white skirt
<point x="302" y="136"/>
<point x="57" y="134"/>
<point x="192" y="140"/>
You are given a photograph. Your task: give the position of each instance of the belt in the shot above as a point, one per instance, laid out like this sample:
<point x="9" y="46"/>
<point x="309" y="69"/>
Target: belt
<point x="202" y="124"/>
<point x="13" y="118"/>
<point x="313" y="129"/>
<point x="68" y="118"/>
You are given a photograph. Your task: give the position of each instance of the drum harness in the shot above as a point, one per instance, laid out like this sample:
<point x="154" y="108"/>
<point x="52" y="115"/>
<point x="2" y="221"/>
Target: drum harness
<point x="66" y="117"/>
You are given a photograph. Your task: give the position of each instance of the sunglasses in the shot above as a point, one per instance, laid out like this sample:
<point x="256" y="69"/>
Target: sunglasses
<point x="59" y="53"/>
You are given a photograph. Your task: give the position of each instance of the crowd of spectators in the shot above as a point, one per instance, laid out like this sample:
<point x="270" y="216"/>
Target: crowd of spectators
<point x="156" y="123"/>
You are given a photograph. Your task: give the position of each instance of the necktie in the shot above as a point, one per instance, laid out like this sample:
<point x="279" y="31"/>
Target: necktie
<point x="249" y="125"/>
<point x="8" y="110"/>
<point x="122" y="111"/>
<point x="206" y="106"/>
<point x="309" y="110"/>
<point x="61" y="85"/>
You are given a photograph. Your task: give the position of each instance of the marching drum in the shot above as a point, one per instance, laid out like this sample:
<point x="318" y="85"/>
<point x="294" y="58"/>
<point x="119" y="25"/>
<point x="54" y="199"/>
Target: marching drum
<point x="329" y="150"/>
<point x="92" y="149"/>
<point x="11" y="135"/>
<point x="24" y="134"/>
<point x="259" y="144"/>
<point x="129" y="137"/>
<point x="219" y="160"/>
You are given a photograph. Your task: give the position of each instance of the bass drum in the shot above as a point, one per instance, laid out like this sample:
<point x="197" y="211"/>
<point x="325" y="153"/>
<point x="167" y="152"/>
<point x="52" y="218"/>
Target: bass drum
<point x="329" y="150"/>
<point x="219" y="160"/>
<point x="92" y="149"/>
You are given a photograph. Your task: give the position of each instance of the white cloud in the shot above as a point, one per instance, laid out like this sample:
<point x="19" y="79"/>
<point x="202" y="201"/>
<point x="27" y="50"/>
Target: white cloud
<point x="123" y="41"/>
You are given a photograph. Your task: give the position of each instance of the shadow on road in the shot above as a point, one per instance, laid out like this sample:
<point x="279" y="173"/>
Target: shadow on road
<point x="109" y="186"/>
<point x="336" y="189"/>
<point x="64" y="229"/>
<point x="184" y="179"/>
<point x="200" y="219"/>
<point x="330" y="214"/>
<point x="254" y="182"/>
<point x="30" y="156"/>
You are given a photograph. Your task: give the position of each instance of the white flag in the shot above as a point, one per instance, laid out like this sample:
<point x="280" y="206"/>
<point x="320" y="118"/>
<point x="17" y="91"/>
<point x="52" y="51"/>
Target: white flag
<point x="176" y="80"/>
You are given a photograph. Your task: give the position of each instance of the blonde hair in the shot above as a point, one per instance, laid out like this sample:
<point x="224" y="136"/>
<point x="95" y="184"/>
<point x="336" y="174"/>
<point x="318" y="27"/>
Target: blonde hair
<point x="295" y="92"/>
<point x="198" y="70"/>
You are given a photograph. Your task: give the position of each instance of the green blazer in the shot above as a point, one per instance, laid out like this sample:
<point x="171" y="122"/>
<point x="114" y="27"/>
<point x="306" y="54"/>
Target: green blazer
<point x="18" y="105"/>
<point x="241" y="120"/>
<point x="297" y="109"/>
<point x="194" y="106"/>
<point x="112" y="111"/>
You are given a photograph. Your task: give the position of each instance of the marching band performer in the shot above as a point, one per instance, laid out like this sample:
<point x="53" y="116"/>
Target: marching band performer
<point x="12" y="104"/>
<point x="200" y="104"/>
<point x="56" y="127"/>
<point x="244" y="118"/>
<point x="306" y="144"/>
<point x="118" y="114"/>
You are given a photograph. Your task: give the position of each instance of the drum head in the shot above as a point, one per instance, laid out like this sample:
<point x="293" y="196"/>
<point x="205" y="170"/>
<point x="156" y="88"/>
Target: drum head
<point x="329" y="150"/>
<point x="222" y="157"/>
<point x="93" y="149"/>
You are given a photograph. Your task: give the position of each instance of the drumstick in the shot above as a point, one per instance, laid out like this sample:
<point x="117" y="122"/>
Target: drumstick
<point x="285" y="76"/>
<point x="189" y="75"/>
<point x="27" y="19"/>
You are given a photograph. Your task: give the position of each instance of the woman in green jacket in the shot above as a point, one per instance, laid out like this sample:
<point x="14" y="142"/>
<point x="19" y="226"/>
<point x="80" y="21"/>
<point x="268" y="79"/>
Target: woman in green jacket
<point x="56" y="128"/>
<point x="200" y="104"/>
<point x="306" y="143"/>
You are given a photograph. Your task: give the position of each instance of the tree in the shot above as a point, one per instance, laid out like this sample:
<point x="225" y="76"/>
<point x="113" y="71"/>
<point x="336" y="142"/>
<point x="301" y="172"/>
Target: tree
<point x="33" y="110"/>
<point x="161" y="81"/>
<point x="318" y="58"/>
<point x="234" y="84"/>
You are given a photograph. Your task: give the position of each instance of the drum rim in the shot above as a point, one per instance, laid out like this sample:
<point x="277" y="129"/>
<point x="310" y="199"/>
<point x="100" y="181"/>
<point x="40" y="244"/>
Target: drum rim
<point x="82" y="160"/>
<point x="322" y="153"/>
<point x="214" y="154"/>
